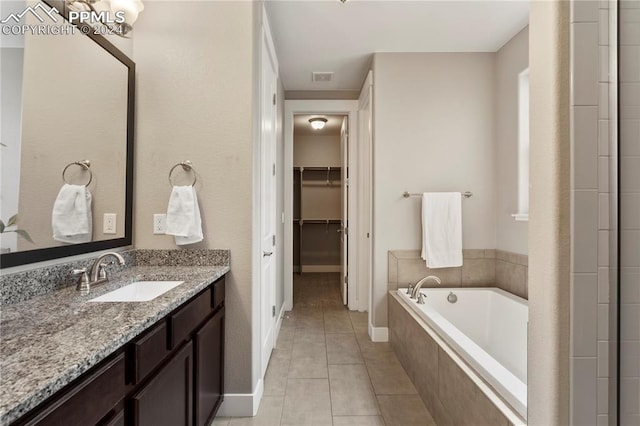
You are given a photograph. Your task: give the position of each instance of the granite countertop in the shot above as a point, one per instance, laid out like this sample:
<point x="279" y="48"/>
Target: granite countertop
<point x="48" y="341"/>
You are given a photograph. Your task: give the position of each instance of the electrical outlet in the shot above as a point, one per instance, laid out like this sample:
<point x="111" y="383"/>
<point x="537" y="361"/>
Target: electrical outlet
<point x="109" y="223"/>
<point x="159" y="224"/>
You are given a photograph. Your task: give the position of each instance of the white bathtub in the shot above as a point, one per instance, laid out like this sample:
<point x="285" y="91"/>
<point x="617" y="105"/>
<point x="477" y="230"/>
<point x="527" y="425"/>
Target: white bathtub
<point x="487" y="327"/>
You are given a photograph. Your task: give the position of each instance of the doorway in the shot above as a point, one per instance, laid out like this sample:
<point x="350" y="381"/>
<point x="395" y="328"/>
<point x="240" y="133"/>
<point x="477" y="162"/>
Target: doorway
<point x="320" y="207"/>
<point x="317" y="198"/>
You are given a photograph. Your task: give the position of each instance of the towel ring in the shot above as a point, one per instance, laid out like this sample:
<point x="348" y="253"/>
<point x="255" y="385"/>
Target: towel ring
<point x="85" y="164"/>
<point x="186" y="166"/>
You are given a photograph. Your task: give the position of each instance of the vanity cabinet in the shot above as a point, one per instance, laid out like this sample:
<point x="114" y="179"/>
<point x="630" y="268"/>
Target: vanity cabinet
<point x="173" y="375"/>
<point x="87" y="400"/>
<point x="167" y="399"/>
<point x="209" y="377"/>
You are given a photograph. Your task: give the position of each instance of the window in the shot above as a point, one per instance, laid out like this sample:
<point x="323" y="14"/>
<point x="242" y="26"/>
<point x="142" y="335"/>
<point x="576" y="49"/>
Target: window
<point x="523" y="147"/>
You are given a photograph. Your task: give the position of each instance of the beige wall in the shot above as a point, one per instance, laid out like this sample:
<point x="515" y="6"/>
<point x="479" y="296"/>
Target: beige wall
<point x="433" y="131"/>
<point x="318" y="200"/>
<point x="194" y="101"/>
<point x="63" y="120"/>
<point x="511" y="59"/>
<point x="549" y="215"/>
<point x="317" y="151"/>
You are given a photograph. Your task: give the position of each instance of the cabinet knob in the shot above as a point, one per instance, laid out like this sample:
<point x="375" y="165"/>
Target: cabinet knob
<point x="266" y="253"/>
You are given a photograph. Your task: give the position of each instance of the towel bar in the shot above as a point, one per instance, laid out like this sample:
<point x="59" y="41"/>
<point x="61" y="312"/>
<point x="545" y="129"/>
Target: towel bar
<point x="407" y="194"/>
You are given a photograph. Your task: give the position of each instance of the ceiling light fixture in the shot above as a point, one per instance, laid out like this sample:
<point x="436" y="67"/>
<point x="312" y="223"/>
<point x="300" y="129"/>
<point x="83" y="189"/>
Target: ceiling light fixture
<point x="317" y="123"/>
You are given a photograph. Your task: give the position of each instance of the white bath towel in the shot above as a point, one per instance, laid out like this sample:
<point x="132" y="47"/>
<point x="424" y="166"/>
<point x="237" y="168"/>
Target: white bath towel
<point x="442" y="229"/>
<point x="183" y="216"/>
<point x="71" y="218"/>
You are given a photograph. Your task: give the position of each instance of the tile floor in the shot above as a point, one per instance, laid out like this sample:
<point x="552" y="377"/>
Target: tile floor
<point x="326" y="371"/>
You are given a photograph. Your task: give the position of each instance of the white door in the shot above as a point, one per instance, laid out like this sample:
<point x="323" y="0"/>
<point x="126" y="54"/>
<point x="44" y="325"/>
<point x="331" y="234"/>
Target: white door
<point x="344" y="231"/>
<point x="268" y="202"/>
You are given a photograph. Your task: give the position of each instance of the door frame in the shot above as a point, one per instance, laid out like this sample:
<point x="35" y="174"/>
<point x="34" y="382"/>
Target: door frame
<point x="365" y="201"/>
<point x="357" y="300"/>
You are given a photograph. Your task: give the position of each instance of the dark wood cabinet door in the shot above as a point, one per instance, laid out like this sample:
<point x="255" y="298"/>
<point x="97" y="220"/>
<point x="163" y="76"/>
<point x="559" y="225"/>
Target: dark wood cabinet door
<point x="167" y="399"/>
<point x="116" y="419"/>
<point x="88" y="401"/>
<point x="209" y="372"/>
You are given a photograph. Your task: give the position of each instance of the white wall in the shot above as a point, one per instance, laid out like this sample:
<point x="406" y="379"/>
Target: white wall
<point x="511" y="59"/>
<point x="433" y="131"/>
<point x="195" y="101"/>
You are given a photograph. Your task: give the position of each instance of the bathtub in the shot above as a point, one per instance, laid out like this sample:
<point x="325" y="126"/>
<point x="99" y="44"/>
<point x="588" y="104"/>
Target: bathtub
<point x="487" y="327"/>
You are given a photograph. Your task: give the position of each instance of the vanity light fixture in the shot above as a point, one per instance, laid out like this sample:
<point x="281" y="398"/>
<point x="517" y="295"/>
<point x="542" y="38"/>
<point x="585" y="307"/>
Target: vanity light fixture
<point x="118" y="15"/>
<point x="318" y="123"/>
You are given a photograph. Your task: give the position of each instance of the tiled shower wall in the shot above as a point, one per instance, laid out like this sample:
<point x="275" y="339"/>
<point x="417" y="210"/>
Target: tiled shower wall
<point x="590" y="150"/>
<point x="629" y="192"/>
<point x="481" y="268"/>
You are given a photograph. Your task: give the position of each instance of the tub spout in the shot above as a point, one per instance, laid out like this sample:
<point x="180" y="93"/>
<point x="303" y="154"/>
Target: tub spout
<point x="416" y="289"/>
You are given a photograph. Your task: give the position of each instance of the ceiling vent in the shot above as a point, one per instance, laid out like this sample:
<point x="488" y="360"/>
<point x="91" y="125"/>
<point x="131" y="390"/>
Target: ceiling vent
<point x="321" y="77"/>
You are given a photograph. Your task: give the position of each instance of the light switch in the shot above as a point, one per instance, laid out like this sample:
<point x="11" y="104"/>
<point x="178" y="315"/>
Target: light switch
<point x="109" y="223"/>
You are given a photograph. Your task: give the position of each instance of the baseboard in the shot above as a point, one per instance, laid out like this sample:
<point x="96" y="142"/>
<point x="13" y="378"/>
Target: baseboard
<point x="378" y="334"/>
<point x="242" y="404"/>
<point x="320" y="268"/>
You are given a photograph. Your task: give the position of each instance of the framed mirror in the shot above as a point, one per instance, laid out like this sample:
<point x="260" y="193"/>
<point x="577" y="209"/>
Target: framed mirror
<point x="67" y="141"/>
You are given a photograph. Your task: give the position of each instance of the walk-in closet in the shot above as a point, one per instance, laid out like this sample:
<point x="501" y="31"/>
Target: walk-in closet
<point x="317" y="195"/>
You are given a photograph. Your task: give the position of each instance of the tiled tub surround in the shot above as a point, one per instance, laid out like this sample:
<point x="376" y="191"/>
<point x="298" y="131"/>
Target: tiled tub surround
<point x="50" y="340"/>
<point x="452" y="391"/>
<point x="480" y="268"/>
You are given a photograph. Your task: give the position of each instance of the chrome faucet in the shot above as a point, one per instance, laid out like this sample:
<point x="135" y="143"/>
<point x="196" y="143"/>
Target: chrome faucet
<point x="416" y="289"/>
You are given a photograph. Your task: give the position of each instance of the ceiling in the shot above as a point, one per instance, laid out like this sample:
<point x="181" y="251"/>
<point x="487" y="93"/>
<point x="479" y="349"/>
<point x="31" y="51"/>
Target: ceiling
<point x="327" y="35"/>
<point x="301" y="125"/>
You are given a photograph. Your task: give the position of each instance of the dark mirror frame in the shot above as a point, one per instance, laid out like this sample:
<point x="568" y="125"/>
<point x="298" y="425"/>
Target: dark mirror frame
<point x="31" y="256"/>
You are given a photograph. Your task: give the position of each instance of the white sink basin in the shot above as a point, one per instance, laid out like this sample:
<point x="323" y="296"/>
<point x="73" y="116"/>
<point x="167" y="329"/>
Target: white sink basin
<point x="140" y="291"/>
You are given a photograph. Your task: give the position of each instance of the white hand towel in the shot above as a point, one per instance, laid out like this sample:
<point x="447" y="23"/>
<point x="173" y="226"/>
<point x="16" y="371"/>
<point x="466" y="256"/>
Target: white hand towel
<point x="442" y="229"/>
<point x="71" y="218"/>
<point x="183" y="216"/>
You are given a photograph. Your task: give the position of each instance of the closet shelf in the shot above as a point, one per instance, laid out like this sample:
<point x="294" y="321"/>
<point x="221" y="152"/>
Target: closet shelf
<point x="317" y="221"/>
<point x="322" y="183"/>
<point x="317" y="169"/>
<point x="315" y="241"/>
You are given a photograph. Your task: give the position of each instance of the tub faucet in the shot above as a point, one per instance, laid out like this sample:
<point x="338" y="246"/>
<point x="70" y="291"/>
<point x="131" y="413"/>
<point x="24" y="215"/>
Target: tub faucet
<point x="98" y="274"/>
<point x="416" y="289"/>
